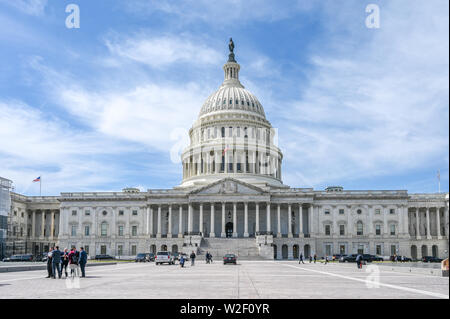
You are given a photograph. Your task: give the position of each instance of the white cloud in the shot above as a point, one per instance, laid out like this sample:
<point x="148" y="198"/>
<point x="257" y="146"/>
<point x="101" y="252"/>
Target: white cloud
<point x="162" y="51"/>
<point x="34" y="143"/>
<point x="31" y="7"/>
<point x="379" y="109"/>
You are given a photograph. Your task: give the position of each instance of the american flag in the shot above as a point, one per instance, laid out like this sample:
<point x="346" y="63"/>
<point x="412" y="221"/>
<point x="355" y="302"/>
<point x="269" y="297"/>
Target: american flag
<point x="37" y="179"/>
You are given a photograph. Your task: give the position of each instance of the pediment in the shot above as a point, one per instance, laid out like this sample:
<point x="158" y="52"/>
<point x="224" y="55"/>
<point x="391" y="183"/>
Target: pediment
<point x="228" y="186"/>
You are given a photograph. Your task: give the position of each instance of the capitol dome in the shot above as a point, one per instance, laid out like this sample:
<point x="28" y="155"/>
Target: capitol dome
<point x="232" y="138"/>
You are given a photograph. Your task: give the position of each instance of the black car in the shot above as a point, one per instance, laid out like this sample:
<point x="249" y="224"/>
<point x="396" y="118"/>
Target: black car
<point x="19" y="258"/>
<point x="230" y="259"/>
<point x="352" y="258"/>
<point x="376" y="258"/>
<point x="141" y="258"/>
<point x="431" y="259"/>
<point x="102" y="257"/>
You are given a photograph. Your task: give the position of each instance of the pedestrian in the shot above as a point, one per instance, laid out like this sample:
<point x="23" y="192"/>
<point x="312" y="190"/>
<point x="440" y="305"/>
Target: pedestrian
<point x="73" y="262"/>
<point x="182" y="261"/>
<point x="326" y="260"/>
<point x="359" y="261"/>
<point x="192" y="256"/>
<point x="315" y="258"/>
<point x="300" y="259"/>
<point x="82" y="261"/>
<point x="56" y="262"/>
<point x="310" y="259"/>
<point x="49" y="262"/>
<point x="65" y="261"/>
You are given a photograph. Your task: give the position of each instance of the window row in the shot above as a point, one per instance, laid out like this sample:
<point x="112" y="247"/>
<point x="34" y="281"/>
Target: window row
<point x="104" y="213"/>
<point x="359" y="211"/>
<point x="104" y="230"/>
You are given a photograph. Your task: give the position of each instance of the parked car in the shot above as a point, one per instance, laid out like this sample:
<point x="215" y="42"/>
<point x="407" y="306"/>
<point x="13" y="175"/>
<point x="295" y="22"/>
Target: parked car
<point x="431" y="259"/>
<point x="376" y="258"/>
<point x="19" y="258"/>
<point x="142" y="258"/>
<point x="352" y="258"/>
<point x="102" y="257"/>
<point x="337" y="257"/>
<point x="164" y="257"/>
<point x="229" y="259"/>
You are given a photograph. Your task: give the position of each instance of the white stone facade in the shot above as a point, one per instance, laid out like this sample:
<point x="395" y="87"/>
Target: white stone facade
<point x="232" y="199"/>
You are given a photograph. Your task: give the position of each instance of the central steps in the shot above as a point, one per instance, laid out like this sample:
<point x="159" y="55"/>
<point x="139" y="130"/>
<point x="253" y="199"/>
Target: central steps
<point x="246" y="248"/>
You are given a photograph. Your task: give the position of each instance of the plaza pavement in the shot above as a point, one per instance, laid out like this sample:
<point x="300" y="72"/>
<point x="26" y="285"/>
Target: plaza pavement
<point x="248" y="279"/>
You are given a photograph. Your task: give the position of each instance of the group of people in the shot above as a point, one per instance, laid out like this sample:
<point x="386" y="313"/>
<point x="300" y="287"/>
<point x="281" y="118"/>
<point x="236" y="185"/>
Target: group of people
<point x="311" y="258"/>
<point x="182" y="260"/>
<point x="57" y="262"/>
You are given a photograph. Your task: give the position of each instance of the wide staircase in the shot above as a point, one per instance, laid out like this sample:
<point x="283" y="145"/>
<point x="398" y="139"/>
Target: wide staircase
<point x="243" y="248"/>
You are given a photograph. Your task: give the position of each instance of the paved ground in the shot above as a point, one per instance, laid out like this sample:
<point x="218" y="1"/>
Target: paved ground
<point x="248" y="279"/>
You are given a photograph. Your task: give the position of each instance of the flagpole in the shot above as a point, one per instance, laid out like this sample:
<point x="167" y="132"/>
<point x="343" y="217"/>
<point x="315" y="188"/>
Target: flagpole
<point x="40" y="186"/>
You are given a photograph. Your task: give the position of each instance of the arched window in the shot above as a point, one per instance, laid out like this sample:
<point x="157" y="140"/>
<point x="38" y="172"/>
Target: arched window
<point x="359" y="228"/>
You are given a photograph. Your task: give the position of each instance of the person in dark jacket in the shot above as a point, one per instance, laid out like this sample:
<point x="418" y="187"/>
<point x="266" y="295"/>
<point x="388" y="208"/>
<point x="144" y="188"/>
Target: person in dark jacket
<point x="82" y="261"/>
<point x="192" y="258"/>
<point x="358" y="261"/>
<point x="65" y="261"/>
<point x="300" y="259"/>
<point x="310" y="259"/>
<point x="49" y="262"/>
<point x="56" y="262"/>
<point x="315" y="258"/>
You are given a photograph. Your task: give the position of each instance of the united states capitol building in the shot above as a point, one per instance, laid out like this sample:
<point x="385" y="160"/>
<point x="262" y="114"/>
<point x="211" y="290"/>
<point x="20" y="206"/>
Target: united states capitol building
<point x="232" y="199"/>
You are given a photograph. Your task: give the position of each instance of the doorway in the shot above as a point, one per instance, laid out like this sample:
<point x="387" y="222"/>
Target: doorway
<point x="229" y="229"/>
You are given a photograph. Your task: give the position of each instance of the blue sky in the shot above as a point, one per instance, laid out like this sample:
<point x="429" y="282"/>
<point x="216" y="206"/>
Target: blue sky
<point x="100" y="108"/>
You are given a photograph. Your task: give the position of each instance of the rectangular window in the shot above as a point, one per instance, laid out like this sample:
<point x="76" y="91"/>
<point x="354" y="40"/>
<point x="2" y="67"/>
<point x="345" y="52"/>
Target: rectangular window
<point x="120" y="250"/>
<point x="392" y="211"/>
<point x="328" y="250"/>
<point x="120" y="230"/>
<point x="103" y="250"/>
<point x="327" y="230"/>
<point x="74" y="213"/>
<point x="87" y="212"/>
<point x="74" y="230"/>
<point x="327" y="212"/>
<point x="104" y="230"/>
<point x="342" y="249"/>
<point x="378" y="250"/>
<point x="393" y="250"/>
<point x="120" y="212"/>
<point x="133" y="249"/>
<point x="378" y="211"/>
<point x="134" y="231"/>
<point x="392" y="230"/>
<point x="378" y="229"/>
<point x="361" y="249"/>
<point x="359" y="229"/>
<point x="135" y="212"/>
<point x="342" y="230"/>
<point x="86" y="230"/>
<point x="86" y="248"/>
<point x="341" y="212"/>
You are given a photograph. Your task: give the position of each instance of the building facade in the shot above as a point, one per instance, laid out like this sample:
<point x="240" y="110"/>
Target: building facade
<point x="232" y="199"/>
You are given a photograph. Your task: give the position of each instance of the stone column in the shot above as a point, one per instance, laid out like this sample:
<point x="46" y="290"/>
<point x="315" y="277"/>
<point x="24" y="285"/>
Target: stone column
<point x="268" y="216"/>
<point x="189" y="218"/>
<point x="147" y="227"/>
<point x="428" y="233"/>
<point x="180" y="222"/>
<point x="200" y="226"/>
<point x="114" y="226"/>
<point x="245" y="219"/>
<point x="418" y="225"/>
<point x="256" y="217"/>
<point x="169" y="230"/>
<point x="438" y="223"/>
<point x="33" y="224"/>
<point x="43" y="223"/>
<point x="385" y="225"/>
<point x="278" y="220"/>
<point x="212" y="233"/>
<point x="151" y="221"/>
<point x="300" y="220"/>
<point x="310" y="220"/>
<point x="52" y="227"/>
<point x="235" y="220"/>
<point x="158" y="231"/>
<point x="290" y="235"/>
<point x="222" y="234"/>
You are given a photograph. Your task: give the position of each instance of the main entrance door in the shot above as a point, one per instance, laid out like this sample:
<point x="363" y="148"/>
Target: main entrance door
<point x="229" y="229"/>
